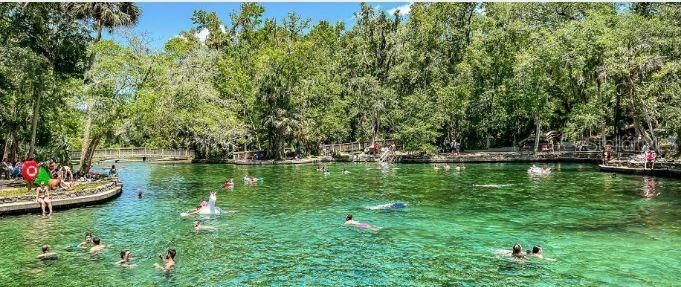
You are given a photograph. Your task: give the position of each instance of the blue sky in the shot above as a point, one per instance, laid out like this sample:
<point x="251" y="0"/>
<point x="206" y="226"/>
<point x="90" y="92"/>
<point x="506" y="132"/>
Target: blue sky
<point x="162" y="21"/>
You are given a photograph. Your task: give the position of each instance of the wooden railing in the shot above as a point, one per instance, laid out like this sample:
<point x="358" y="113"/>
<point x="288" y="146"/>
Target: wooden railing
<point x="136" y="153"/>
<point x="355" y="146"/>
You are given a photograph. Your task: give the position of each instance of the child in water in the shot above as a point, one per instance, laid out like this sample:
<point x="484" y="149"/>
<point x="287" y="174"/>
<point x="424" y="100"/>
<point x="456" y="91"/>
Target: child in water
<point x="125" y="259"/>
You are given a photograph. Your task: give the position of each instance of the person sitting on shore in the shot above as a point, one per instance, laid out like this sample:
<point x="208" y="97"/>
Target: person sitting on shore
<point x="169" y="261"/>
<point x="112" y="171"/>
<point x="88" y="241"/>
<point x="48" y="254"/>
<point x="97" y="246"/>
<point x="650" y="158"/>
<point x="43" y="197"/>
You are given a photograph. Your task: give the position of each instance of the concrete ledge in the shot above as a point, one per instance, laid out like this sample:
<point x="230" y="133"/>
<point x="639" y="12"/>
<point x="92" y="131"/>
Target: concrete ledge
<point x="112" y="190"/>
<point x="660" y="172"/>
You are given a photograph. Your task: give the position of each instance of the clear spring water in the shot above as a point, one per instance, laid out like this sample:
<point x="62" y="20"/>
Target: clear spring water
<point x="596" y="230"/>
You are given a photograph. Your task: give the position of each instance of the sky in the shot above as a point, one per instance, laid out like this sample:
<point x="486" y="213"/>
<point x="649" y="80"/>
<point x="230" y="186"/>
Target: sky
<point x="163" y="21"/>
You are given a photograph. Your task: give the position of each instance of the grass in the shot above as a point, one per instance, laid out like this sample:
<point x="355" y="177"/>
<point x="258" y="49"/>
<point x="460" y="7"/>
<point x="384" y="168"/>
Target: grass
<point x="22" y="191"/>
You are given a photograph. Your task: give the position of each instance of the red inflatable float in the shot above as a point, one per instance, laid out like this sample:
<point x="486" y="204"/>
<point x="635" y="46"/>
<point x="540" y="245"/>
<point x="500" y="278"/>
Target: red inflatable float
<point x="30" y="170"/>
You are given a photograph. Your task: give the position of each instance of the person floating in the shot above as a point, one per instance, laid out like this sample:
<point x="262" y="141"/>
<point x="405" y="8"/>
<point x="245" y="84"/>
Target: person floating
<point x="389" y="206"/>
<point x="48" y="254"/>
<point x="362" y="225"/>
<point x="43" y="197"/>
<point x="198" y="227"/>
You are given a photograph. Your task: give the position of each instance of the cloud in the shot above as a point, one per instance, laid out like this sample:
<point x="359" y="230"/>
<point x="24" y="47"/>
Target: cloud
<point x="202" y="35"/>
<point x="404" y="9"/>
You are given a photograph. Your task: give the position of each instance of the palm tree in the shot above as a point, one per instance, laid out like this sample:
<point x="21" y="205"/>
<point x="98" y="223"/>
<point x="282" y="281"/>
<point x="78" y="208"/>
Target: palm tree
<point x="106" y="15"/>
<point x="103" y="15"/>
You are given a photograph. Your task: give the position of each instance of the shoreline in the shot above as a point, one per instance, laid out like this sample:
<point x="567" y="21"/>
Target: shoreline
<point x="86" y="197"/>
<point x="671" y="171"/>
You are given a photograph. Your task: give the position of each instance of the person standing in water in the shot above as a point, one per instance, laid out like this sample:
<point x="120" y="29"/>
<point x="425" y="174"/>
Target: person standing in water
<point x="169" y="261"/>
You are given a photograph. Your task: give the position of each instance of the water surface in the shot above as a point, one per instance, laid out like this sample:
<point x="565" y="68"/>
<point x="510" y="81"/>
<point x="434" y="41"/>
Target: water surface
<point x="595" y="229"/>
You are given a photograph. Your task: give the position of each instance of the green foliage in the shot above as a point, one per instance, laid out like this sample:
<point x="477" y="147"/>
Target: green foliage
<point x="491" y="73"/>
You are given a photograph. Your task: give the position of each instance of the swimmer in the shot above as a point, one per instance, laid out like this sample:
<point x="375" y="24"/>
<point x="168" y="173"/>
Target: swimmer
<point x="613" y="175"/>
<point x="537" y="251"/>
<point x="125" y="258"/>
<point x="87" y="242"/>
<point x="169" y="260"/>
<point x="388" y="206"/>
<point x="518" y="251"/>
<point x="350" y="221"/>
<point x="198" y="227"/>
<point x="97" y="246"/>
<point x="139" y="194"/>
<point x="194" y="211"/>
<point x="327" y="173"/>
<point x="345" y="171"/>
<point x="48" y="254"/>
<point x="446" y="166"/>
<point x="228" y="184"/>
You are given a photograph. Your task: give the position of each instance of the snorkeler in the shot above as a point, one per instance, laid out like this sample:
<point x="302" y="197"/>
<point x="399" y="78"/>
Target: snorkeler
<point x="87" y="242"/>
<point x="169" y="260"/>
<point x="97" y="246"/>
<point x="48" y="254"/>
<point x="125" y="258"/>
<point x="389" y="206"/>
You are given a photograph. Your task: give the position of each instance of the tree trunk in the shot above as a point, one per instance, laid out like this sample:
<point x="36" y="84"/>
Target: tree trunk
<point x="8" y="144"/>
<point x="86" y="137"/>
<point x="538" y="133"/>
<point x="34" y="124"/>
<point x="86" y="159"/>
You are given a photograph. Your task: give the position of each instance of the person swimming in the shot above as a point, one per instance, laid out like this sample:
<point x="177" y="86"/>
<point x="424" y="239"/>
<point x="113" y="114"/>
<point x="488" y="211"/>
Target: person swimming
<point x="389" y="206"/>
<point x="345" y="171"/>
<point x="195" y="210"/>
<point x="229" y="184"/>
<point x="537" y="251"/>
<point x="169" y="261"/>
<point x="139" y="194"/>
<point x="362" y="225"/>
<point x="87" y="242"/>
<point x="518" y="251"/>
<point x="198" y="227"/>
<point x="47" y="254"/>
<point x="125" y="258"/>
<point x="97" y="246"/>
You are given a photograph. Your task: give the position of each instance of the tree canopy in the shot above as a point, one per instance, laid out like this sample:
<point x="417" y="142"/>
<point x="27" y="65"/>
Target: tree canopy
<point x="487" y="74"/>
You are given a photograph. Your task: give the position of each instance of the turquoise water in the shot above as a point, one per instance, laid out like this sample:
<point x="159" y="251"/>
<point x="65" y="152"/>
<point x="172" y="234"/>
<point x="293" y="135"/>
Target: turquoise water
<point x="596" y="230"/>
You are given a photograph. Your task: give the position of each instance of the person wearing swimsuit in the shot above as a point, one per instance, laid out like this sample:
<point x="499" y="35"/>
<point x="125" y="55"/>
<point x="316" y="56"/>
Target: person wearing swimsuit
<point x="43" y="197"/>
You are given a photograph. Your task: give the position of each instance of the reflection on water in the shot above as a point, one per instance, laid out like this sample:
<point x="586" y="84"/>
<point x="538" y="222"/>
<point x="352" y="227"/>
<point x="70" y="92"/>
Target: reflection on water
<point x="649" y="190"/>
<point x="288" y="230"/>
